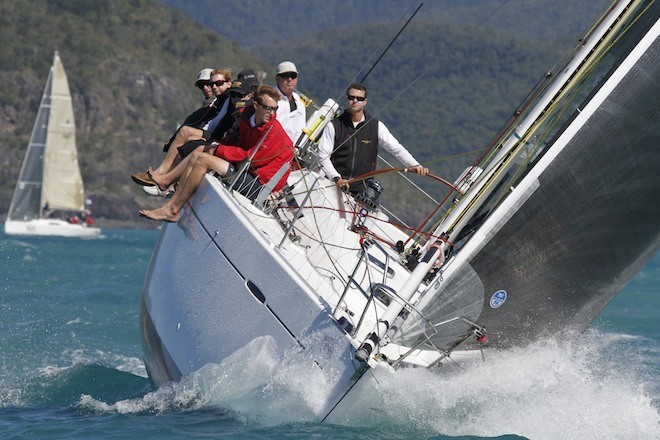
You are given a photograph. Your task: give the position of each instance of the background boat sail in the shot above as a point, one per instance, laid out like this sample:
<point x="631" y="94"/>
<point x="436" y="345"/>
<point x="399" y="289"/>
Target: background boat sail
<point x="50" y="178"/>
<point x="561" y="214"/>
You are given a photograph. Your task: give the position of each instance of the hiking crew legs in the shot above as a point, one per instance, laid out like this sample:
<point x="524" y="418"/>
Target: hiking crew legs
<point x="184" y="135"/>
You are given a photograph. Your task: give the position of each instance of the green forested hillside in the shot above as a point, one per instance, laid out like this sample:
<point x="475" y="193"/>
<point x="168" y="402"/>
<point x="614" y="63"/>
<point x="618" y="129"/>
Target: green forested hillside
<point x="131" y="67"/>
<point x="443" y="88"/>
<point x="288" y="21"/>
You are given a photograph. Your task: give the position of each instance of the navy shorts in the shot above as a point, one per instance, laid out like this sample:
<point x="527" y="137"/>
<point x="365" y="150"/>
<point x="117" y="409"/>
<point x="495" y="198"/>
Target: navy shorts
<point x="191" y="146"/>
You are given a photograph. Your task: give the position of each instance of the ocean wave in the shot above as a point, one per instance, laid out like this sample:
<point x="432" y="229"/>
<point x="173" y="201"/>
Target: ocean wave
<point x="85" y="357"/>
<point x="551" y="389"/>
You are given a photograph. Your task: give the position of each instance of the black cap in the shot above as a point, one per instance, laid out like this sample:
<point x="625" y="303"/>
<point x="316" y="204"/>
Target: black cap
<point x="239" y="86"/>
<point x="250" y="78"/>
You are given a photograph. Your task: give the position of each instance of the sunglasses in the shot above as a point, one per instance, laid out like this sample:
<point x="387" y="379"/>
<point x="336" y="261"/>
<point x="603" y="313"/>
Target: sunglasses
<point x="268" y="108"/>
<point x="288" y="75"/>
<point x="203" y="84"/>
<point x="355" y="98"/>
<point x="219" y="83"/>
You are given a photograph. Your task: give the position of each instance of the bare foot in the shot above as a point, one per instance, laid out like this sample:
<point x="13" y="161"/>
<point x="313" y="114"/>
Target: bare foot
<point x="161" y="214"/>
<point x="158" y="179"/>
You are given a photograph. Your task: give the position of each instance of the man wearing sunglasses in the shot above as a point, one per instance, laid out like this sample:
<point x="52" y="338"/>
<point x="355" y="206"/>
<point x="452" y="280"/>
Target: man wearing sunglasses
<point x="203" y="83"/>
<point x="349" y="144"/>
<point x="274" y="151"/>
<point x="290" y="109"/>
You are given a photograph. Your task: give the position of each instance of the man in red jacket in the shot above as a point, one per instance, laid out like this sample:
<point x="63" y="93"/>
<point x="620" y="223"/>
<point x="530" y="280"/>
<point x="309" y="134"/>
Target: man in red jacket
<point x="274" y="151"/>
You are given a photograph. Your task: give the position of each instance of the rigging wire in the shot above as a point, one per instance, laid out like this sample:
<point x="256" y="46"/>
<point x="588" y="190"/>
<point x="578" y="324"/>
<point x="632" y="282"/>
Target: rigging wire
<point x="365" y="64"/>
<point x="405" y="89"/>
<point x="417" y="231"/>
<point x="451" y="49"/>
<point x="368" y="232"/>
<point x="391" y="42"/>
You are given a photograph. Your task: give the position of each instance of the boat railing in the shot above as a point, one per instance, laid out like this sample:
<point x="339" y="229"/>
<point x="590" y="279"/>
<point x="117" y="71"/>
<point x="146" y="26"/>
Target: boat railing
<point x="380" y="290"/>
<point x="386" y="294"/>
<point x="476" y="331"/>
<point x="299" y="211"/>
<point x="351" y="281"/>
<point x="366" y="257"/>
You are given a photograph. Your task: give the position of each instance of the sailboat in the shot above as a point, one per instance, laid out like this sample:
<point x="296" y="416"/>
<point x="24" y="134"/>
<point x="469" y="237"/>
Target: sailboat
<point x="534" y="239"/>
<point x="50" y="181"/>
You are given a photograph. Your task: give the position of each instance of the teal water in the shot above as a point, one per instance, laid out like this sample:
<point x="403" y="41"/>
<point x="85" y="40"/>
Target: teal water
<point x="71" y="368"/>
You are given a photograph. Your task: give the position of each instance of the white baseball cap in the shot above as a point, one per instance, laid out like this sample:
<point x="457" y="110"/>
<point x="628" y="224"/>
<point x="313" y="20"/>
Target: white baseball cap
<point x="203" y="75"/>
<point x="286" y="66"/>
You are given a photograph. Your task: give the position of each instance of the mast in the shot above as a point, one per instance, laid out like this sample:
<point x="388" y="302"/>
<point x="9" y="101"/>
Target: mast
<point x="26" y="203"/>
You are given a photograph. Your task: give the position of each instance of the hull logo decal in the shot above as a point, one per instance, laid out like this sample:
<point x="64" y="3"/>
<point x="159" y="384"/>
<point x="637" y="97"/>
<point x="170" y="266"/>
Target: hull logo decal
<point x="498" y="299"/>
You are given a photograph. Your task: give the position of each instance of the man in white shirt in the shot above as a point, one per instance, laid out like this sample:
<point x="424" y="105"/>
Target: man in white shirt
<point x="290" y="109"/>
<point x="349" y="144"/>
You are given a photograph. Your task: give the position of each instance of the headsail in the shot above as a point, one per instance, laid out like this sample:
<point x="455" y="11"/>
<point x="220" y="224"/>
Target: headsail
<point x="576" y="223"/>
<point x="62" y="185"/>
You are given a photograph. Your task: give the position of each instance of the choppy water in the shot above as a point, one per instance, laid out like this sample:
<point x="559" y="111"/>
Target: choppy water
<point x="71" y="368"/>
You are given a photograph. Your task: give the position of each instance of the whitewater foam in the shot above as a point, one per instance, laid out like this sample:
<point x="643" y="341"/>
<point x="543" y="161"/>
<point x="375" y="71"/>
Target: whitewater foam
<point x="78" y="357"/>
<point x="592" y="388"/>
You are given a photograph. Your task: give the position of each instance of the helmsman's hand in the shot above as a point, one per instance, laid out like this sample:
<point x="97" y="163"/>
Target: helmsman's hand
<point x="418" y="169"/>
<point x="342" y="184"/>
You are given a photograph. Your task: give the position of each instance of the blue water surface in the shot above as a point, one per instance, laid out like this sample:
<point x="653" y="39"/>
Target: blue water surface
<point x="71" y="367"/>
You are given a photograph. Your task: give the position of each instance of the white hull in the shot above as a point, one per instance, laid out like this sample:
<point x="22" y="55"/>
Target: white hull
<point x="52" y="227"/>
<point x="218" y="281"/>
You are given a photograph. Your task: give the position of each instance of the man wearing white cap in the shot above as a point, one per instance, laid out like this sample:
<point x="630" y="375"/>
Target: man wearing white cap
<point x="203" y="83"/>
<point x="291" y="110"/>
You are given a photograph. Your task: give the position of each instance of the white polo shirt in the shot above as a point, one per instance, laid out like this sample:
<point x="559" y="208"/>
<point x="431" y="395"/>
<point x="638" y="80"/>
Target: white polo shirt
<point x="294" y="121"/>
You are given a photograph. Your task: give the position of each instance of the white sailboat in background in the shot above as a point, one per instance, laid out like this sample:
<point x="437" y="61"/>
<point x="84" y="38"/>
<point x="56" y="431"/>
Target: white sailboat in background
<point x="50" y="183"/>
<point x="534" y="239"/>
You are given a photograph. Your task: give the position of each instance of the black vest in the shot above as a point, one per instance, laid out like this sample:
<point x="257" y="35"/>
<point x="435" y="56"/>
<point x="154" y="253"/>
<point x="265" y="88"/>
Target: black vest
<point x="359" y="147"/>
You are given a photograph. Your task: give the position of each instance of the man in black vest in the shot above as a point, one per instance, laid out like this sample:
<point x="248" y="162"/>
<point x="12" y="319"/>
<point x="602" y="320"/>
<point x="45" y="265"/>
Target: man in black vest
<point x="349" y="145"/>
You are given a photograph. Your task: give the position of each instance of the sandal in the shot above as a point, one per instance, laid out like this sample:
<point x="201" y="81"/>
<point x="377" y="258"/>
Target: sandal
<point x="143" y="179"/>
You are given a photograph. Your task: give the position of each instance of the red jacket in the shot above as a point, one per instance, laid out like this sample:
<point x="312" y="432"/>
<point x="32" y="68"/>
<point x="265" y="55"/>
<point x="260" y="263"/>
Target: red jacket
<point x="275" y="151"/>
